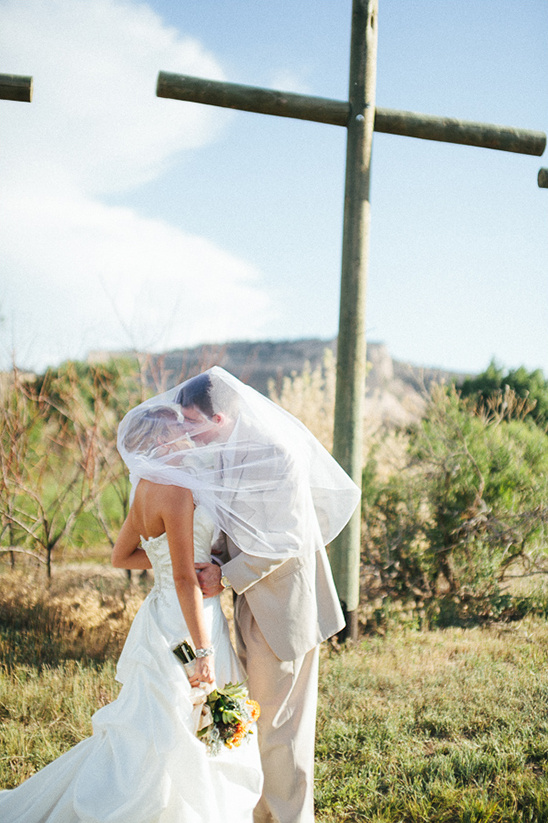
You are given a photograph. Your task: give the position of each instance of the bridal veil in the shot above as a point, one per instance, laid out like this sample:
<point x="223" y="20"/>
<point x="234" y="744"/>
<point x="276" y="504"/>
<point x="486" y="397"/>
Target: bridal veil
<point x="265" y="480"/>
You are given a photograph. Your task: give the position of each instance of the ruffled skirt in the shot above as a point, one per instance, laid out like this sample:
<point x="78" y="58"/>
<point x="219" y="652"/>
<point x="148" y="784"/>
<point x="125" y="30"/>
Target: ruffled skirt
<point x="143" y="763"/>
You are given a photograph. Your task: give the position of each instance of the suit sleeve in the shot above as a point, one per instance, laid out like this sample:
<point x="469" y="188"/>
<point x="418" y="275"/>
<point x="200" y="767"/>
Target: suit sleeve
<point x="244" y="570"/>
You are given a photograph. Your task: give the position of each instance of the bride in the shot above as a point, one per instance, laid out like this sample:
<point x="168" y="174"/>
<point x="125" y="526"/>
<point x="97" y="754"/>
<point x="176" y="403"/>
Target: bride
<point x="144" y="763"/>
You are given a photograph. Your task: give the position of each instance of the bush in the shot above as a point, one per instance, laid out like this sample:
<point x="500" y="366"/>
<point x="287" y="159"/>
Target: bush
<point x="470" y="502"/>
<point x="58" y="458"/>
<point x="491" y="385"/>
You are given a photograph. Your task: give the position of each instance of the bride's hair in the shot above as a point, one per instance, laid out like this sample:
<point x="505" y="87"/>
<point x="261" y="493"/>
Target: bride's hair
<point x="153" y="426"/>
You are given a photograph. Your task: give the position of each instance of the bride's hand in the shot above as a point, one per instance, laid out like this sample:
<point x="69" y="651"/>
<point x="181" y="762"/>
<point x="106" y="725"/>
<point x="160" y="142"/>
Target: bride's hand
<point x="204" y="671"/>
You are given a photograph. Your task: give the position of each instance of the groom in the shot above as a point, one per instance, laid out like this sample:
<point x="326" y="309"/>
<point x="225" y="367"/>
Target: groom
<point x="283" y="607"/>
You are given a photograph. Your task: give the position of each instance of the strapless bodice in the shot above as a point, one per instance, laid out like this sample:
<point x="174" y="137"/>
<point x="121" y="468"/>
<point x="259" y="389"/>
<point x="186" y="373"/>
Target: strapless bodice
<point x="157" y="549"/>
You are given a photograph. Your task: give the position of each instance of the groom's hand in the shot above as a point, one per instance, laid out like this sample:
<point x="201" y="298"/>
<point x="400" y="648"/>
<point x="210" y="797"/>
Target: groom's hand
<point x="209" y="577"/>
<point x="219" y="548"/>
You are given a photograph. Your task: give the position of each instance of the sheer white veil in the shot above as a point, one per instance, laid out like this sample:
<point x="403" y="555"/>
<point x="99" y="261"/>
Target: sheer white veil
<point x="263" y="477"/>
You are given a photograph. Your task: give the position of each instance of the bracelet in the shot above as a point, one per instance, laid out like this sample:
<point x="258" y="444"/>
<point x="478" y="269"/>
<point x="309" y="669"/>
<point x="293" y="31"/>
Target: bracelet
<point x="205" y="652"/>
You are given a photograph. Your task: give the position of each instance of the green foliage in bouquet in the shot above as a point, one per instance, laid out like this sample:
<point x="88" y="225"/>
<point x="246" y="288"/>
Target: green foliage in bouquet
<point x="232" y="714"/>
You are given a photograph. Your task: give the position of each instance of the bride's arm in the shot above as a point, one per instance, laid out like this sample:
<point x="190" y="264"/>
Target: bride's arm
<point x="127" y="553"/>
<point x="177" y="510"/>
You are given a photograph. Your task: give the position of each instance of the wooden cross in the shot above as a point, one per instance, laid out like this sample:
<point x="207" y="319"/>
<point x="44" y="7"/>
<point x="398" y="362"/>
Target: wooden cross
<point x="361" y="118"/>
<point x="13" y="87"/>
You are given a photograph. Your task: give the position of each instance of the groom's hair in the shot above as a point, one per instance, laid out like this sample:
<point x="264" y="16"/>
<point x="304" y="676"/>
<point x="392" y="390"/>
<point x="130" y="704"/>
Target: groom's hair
<point x="210" y="394"/>
<point x="197" y="392"/>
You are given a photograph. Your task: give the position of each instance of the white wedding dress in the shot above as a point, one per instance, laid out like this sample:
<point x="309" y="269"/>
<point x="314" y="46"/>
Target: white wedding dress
<point x="143" y="763"/>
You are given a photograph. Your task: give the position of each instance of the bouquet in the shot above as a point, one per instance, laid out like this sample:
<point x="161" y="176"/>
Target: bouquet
<point x="226" y="715"/>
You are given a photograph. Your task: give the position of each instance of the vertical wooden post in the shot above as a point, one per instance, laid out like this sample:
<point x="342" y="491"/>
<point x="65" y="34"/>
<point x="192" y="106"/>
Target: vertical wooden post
<point x="358" y="115"/>
<point x="15" y="87"/>
<point x="351" y="349"/>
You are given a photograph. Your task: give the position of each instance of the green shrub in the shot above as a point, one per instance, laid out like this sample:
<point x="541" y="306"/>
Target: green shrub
<point x="490" y="386"/>
<point x="470" y="502"/>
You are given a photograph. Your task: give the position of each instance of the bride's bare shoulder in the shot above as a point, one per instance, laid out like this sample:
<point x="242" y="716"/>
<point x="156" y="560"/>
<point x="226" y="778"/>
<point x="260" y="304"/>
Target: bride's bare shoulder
<point x="149" y="491"/>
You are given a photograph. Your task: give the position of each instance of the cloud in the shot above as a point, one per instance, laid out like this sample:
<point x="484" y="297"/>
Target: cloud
<point x="95" y="118"/>
<point x="288" y="80"/>
<point x="80" y="273"/>
<point x="96" y="276"/>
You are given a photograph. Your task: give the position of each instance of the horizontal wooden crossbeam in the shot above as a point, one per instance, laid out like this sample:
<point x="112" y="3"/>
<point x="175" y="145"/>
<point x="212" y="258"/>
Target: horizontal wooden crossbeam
<point x="14" y="87"/>
<point x="337" y="113"/>
<point x="542" y="178"/>
<point x="252" y="98"/>
<point x="464" y="132"/>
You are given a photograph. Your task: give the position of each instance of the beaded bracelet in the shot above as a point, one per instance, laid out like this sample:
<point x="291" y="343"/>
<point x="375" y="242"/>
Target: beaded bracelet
<point x="205" y="652"/>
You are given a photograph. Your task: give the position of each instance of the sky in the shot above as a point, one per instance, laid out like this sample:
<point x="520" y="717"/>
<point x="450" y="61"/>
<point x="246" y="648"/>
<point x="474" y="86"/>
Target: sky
<point x="129" y="221"/>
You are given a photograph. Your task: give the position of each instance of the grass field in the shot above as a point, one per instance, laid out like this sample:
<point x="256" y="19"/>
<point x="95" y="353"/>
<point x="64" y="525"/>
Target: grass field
<point x="437" y="726"/>
<point x="416" y="726"/>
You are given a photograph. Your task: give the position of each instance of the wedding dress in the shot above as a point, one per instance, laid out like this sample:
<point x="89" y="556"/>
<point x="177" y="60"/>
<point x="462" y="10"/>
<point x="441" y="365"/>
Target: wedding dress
<point x="143" y="763"/>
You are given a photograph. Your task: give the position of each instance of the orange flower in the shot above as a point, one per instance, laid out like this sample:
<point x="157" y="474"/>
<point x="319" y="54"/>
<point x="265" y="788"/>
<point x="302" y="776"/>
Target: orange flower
<point x="236" y="738"/>
<point x="254" y="708"/>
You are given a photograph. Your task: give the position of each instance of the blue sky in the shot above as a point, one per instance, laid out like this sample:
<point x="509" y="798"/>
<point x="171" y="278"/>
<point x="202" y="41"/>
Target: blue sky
<point x="132" y="221"/>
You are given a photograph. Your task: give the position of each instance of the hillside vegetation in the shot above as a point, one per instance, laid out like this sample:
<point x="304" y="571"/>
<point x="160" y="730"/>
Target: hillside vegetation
<point x="437" y="715"/>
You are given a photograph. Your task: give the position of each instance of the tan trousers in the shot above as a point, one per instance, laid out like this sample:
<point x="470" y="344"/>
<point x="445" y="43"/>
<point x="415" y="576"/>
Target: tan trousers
<point x="287" y="692"/>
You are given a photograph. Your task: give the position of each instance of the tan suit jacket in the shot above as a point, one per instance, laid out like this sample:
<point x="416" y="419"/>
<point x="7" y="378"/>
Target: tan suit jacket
<point x="294" y="601"/>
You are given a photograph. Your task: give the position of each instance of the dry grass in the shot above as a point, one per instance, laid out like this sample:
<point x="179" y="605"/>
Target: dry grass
<point x="414" y="727"/>
<point x="83" y="613"/>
